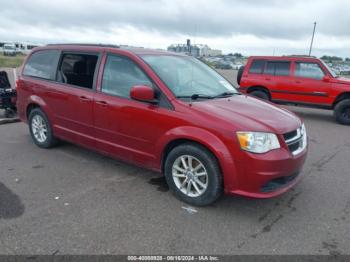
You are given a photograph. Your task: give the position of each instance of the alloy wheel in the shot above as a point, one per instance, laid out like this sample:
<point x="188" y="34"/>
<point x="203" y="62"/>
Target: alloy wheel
<point x="190" y="175"/>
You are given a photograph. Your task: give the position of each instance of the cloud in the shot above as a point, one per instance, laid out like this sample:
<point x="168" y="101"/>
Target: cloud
<point x="263" y="22"/>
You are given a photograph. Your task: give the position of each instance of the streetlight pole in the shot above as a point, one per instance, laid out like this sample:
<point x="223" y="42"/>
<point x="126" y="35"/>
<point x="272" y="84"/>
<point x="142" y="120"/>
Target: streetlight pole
<point x="312" y="39"/>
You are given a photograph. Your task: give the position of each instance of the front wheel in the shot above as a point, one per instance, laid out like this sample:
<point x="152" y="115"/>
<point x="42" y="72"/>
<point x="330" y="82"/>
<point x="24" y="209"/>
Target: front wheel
<point x="193" y="174"/>
<point x="40" y="129"/>
<point x="342" y="112"/>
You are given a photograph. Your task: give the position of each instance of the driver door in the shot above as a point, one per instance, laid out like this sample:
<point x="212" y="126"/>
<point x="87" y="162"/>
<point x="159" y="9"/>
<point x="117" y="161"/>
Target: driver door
<point x="125" y="128"/>
<point x="308" y="84"/>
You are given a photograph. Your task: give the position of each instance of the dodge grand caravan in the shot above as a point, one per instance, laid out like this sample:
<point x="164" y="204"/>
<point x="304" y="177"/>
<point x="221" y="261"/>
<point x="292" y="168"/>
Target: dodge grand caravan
<point x="163" y="111"/>
<point x="297" y="80"/>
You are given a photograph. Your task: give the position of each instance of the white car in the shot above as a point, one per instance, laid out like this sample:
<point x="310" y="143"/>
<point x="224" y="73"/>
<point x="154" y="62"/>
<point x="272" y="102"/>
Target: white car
<point x="9" y="49"/>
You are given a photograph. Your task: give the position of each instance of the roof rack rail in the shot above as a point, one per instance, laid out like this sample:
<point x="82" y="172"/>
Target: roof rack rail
<point x="299" y="56"/>
<point x="86" y="44"/>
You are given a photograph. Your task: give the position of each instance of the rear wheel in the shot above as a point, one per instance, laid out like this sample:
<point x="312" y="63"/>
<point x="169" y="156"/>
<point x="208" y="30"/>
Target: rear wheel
<point x="40" y="129"/>
<point x="193" y="174"/>
<point x="260" y="94"/>
<point x="342" y="112"/>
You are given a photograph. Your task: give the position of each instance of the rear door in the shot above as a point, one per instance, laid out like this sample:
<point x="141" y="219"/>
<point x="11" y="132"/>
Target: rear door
<point x="71" y="96"/>
<point x="278" y="75"/>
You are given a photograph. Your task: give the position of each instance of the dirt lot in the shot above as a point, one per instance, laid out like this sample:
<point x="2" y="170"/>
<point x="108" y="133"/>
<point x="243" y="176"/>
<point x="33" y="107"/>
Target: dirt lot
<point x="69" y="200"/>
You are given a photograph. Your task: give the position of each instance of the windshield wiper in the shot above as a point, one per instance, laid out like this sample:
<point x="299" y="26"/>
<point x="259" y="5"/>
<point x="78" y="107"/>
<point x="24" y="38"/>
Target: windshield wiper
<point x="196" y="96"/>
<point x="225" y="94"/>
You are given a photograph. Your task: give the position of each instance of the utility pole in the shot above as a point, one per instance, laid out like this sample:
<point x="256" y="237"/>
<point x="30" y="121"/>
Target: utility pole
<point x="312" y="39"/>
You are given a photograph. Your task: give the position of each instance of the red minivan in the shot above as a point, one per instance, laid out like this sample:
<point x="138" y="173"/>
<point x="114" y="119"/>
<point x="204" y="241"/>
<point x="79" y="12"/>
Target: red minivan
<point x="297" y="80"/>
<point x="163" y="111"/>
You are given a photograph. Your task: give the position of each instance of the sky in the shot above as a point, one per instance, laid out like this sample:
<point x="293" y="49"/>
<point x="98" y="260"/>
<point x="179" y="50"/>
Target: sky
<point x="250" y="27"/>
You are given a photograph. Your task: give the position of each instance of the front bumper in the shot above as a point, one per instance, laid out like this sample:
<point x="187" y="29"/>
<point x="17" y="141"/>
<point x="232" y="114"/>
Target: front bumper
<point x="267" y="175"/>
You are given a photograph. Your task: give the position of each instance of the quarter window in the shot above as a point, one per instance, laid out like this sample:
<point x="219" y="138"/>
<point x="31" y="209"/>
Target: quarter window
<point x="42" y="64"/>
<point x="120" y="75"/>
<point x="309" y="70"/>
<point x="257" y="66"/>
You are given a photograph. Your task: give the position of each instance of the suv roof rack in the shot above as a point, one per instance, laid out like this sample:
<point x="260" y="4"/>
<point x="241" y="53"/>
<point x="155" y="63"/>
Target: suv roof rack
<point x="87" y="44"/>
<point x="306" y="56"/>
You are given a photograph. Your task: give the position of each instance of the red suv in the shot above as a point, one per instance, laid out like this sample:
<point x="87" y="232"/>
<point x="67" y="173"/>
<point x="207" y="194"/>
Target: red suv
<point x="163" y="111"/>
<point x="297" y="80"/>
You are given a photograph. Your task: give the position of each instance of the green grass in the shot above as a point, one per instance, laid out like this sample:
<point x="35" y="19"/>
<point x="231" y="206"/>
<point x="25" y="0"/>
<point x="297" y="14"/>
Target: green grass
<point x="11" y="61"/>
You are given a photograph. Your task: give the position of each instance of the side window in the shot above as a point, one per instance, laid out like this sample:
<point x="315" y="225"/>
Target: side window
<point x="257" y="66"/>
<point x="120" y="75"/>
<point x="77" y="69"/>
<point x="42" y="64"/>
<point x="308" y="70"/>
<point x="277" y="68"/>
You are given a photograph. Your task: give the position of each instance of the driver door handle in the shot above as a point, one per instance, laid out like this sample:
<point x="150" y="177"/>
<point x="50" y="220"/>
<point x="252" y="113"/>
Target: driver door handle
<point x="84" y="99"/>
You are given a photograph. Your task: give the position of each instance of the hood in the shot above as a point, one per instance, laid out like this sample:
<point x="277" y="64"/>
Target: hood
<point x="342" y="80"/>
<point x="250" y="114"/>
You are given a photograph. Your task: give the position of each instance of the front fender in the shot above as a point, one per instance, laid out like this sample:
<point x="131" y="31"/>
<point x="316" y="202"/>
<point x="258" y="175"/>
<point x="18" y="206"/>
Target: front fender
<point x="207" y="139"/>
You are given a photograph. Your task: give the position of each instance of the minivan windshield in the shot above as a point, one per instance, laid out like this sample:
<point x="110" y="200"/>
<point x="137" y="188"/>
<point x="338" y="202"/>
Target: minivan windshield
<point x="188" y="77"/>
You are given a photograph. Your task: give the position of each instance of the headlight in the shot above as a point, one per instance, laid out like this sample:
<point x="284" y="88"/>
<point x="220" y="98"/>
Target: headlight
<point x="258" y="142"/>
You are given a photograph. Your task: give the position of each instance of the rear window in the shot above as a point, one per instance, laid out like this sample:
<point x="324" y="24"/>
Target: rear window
<point x="277" y="68"/>
<point x="257" y="66"/>
<point x="42" y="64"/>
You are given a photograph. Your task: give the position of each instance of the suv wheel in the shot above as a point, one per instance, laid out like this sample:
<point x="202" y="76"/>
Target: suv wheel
<point x="40" y="129"/>
<point x="193" y="174"/>
<point x="342" y="112"/>
<point x="260" y="94"/>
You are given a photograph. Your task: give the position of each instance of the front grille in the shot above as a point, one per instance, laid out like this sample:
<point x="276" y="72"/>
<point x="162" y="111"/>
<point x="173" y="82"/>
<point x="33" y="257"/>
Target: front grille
<point x="290" y="135"/>
<point x="296" y="140"/>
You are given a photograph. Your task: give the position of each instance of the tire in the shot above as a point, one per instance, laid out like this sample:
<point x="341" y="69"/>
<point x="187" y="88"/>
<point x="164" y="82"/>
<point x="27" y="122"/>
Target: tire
<point x="38" y="118"/>
<point x="342" y="112"/>
<point x="212" y="181"/>
<point x="260" y="94"/>
<point x="239" y="74"/>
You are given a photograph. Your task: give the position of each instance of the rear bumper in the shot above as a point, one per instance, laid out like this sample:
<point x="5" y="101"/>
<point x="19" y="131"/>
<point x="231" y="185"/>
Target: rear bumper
<point x="268" y="175"/>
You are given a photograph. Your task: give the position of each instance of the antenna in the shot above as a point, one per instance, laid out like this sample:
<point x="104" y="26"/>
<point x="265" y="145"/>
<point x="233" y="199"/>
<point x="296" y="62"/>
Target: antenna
<point x="312" y="39"/>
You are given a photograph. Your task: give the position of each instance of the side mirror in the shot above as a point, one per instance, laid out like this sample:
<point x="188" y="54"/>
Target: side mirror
<point x="326" y="79"/>
<point x="143" y="93"/>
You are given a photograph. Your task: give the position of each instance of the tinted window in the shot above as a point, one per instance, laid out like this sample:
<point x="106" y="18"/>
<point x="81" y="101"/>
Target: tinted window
<point x="42" y="64"/>
<point x="309" y="70"/>
<point x="257" y="66"/>
<point x="120" y="75"/>
<point x="277" y="68"/>
<point x="77" y="69"/>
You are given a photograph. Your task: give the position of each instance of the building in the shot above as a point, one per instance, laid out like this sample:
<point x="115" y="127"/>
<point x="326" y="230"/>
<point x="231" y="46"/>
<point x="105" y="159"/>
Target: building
<point x="197" y="50"/>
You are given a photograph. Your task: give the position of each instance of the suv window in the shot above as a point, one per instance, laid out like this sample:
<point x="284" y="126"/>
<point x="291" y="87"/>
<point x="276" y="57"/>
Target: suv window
<point x="277" y="68"/>
<point x="120" y="75"/>
<point x="257" y="66"/>
<point x="308" y="70"/>
<point x="77" y="69"/>
<point x="42" y="64"/>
